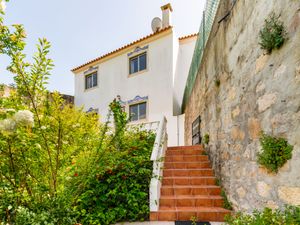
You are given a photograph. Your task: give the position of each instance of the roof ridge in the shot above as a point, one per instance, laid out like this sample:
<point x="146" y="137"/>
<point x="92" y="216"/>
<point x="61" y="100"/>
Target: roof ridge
<point x="188" y="36"/>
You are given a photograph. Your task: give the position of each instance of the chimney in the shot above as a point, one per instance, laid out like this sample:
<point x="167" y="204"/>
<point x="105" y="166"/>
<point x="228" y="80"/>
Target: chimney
<point x="166" y="15"/>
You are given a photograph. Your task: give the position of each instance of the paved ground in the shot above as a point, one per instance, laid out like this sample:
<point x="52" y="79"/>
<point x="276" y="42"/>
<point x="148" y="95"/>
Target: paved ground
<point x="159" y="223"/>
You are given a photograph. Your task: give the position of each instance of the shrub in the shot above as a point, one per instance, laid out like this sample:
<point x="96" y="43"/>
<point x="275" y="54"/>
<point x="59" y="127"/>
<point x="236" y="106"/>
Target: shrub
<point x="288" y="216"/>
<point x="273" y="34"/>
<point x="117" y="187"/>
<point x="275" y="152"/>
<point x="58" y="164"/>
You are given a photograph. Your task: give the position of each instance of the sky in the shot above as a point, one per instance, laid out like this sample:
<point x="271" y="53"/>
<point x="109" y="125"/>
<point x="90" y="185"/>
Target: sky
<point x="81" y="30"/>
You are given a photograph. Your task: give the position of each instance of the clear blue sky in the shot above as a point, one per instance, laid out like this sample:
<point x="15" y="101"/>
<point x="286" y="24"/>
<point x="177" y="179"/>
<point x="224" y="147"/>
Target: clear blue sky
<point x="80" y="30"/>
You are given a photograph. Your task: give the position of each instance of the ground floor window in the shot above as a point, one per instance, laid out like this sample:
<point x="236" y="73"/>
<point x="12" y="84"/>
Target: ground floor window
<point x="138" y="111"/>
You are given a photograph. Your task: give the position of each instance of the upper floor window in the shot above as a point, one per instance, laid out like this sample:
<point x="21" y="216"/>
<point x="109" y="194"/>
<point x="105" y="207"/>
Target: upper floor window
<point x="138" y="111"/>
<point x="138" y="63"/>
<point x="91" y="80"/>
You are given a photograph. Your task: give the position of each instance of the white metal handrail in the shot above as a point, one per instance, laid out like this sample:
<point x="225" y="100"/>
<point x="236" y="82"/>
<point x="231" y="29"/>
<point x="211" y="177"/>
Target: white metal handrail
<point x="157" y="156"/>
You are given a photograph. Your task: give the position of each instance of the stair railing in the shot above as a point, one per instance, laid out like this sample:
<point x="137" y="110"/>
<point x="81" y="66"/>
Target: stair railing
<point x="157" y="156"/>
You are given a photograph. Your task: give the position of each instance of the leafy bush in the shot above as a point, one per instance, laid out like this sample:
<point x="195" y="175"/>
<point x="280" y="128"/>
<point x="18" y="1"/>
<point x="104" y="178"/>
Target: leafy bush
<point x="117" y="187"/>
<point x="289" y="216"/>
<point x="275" y="152"/>
<point x="273" y="34"/>
<point x="58" y="164"/>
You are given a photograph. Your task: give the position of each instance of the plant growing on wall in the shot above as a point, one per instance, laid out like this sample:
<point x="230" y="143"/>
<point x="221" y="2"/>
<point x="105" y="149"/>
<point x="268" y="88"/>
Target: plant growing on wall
<point x="275" y="152"/>
<point x="206" y="139"/>
<point x="273" y="34"/>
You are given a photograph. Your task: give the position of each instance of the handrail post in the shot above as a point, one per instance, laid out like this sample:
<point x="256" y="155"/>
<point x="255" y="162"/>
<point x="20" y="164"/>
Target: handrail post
<point x="157" y="156"/>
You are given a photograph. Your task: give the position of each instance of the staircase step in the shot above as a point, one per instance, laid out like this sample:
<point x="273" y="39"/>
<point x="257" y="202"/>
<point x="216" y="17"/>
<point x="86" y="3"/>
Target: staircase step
<point x="197" y="147"/>
<point x="189" y="187"/>
<point x="184" y="152"/>
<point x="188" y="172"/>
<point x="186" y="213"/>
<point x="191" y="201"/>
<point x="187" y="165"/>
<point x="190" y="190"/>
<point x="188" y="181"/>
<point x="186" y="158"/>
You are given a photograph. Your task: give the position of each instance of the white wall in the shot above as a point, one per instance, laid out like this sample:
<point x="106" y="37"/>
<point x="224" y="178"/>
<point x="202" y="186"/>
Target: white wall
<point x="113" y="80"/>
<point x="184" y="59"/>
<point x="157" y="83"/>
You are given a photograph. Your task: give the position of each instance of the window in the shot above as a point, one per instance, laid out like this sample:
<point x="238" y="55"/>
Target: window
<point x="137" y="111"/>
<point x="91" y="80"/>
<point x="138" y="63"/>
<point x="196" y="137"/>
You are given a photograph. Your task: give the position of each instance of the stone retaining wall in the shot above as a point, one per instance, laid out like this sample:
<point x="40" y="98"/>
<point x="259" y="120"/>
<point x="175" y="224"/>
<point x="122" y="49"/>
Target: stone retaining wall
<point x="257" y="92"/>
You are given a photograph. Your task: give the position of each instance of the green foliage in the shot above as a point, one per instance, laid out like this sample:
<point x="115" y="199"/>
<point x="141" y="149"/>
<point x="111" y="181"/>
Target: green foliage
<point x="275" y="152"/>
<point x="194" y="220"/>
<point x="273" y="34"/>
<point x="58" y="164"/>
<point x="289" y="216"/>
<point x="227" y="204"/>
<point x="206" y="139"/>
<point x="117" y="187"/>
<point x="120" y="121"/>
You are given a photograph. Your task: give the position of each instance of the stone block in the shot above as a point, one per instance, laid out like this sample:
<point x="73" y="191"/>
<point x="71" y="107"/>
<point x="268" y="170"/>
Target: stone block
<point x="260" y="87"/>
<point x="263" y="189"/>
<point x="266" y="101"/>
<point x="237" y="134"/>
<point x="280" y="71"/>
<point x="290" y="195"/>
<point x="297" y="72"/>
<point x="254" y="128"/>
<point x="241" y="192"/>
<point x="295" y="23"/>
<point x="236" y="112"/>
<point x="232" y="94"/>
<point x="261" y="63"/>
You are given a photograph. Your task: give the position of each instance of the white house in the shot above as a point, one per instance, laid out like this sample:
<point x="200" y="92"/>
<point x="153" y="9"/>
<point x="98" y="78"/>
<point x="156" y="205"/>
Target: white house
<point x="148" y="75"/>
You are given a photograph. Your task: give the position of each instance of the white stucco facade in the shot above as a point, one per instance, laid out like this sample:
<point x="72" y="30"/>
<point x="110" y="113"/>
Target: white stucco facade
<point x="160" y="85"/>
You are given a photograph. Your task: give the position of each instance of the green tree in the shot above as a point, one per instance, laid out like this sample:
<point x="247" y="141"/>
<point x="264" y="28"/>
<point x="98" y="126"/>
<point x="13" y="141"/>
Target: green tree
<point x="39" y="133"/>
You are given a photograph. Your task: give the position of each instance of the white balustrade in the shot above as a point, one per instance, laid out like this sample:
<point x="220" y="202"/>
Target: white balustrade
<point x="157" y="156"/>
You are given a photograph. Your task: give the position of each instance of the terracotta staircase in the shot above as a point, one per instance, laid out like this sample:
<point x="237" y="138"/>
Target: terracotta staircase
<point x="189" y="187"/>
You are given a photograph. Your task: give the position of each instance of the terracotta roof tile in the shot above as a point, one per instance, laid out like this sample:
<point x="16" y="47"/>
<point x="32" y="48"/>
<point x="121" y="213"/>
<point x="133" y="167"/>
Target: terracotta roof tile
<point x="121" y="48"/>
<point x="188" y="36"/>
